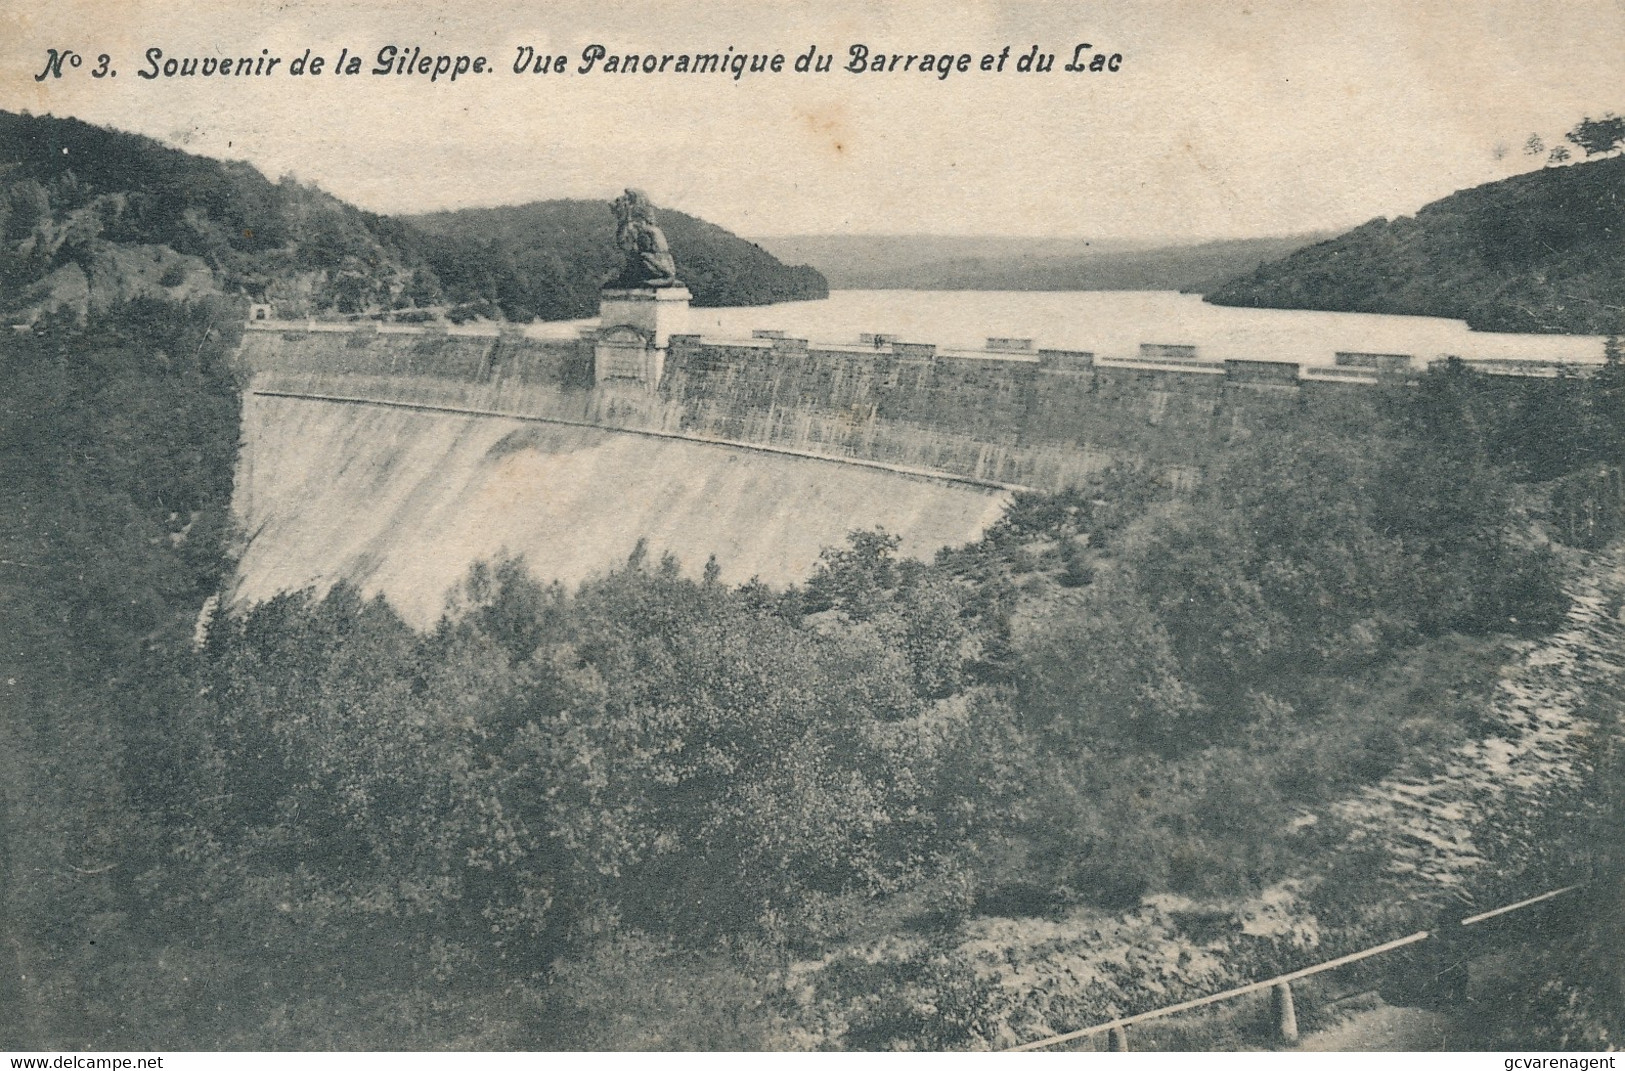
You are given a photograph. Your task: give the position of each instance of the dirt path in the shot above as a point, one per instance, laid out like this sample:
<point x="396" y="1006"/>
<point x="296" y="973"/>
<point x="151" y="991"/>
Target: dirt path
<point x="1386" y="1028"/>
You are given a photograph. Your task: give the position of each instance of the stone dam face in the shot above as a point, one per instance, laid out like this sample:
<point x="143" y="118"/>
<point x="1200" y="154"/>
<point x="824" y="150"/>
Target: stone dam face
<point x="403" y="502"/>
<point x="570" y="472"/>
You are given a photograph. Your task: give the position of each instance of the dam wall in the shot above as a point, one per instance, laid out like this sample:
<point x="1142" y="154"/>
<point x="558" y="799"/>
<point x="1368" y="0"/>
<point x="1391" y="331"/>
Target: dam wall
<point x="1040" y="419"/>
<point x="394" y="458"/>
<point x="402" y="502"/>
<point x="465" y="356"/>
<point x="1009" y="416"/>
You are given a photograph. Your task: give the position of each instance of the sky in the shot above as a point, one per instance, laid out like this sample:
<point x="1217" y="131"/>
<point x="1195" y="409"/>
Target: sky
<point x="1225" y="120"/>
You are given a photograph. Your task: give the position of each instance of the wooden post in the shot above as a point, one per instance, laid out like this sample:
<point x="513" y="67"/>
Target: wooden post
<point x="1286" y="1014"/>
<point x="1117" y="1040"/>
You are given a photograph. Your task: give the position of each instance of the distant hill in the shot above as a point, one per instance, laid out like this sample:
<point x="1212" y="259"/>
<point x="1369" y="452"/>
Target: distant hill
<point x="927" y="262"/>
<point x="552" y="256"/>
<point x="1539" y="252"/>
<point x="90" y="217"/>
<point x="859" y="261"/>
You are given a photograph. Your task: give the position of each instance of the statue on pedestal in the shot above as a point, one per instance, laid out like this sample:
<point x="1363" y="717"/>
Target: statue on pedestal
<point x="649" y="261"/>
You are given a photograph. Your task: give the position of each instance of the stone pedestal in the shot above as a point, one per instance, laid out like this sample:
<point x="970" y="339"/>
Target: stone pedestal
<point x="635" y="326"/>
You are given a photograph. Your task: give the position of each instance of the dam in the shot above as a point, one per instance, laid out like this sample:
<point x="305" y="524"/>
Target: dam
<point x="395" y="456"/>
<point x="401" y="502"/>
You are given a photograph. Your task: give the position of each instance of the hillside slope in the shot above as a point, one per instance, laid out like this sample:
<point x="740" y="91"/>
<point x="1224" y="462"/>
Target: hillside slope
<point x="91" y="217"/>
<point x="1535" y="252"/>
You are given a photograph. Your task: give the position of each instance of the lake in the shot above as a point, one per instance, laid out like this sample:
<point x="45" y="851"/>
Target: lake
<point x="1113" y="323"/>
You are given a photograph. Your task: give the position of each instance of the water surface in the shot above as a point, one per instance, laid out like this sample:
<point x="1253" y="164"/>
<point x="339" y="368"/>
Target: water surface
<point x="1113" y="323"/>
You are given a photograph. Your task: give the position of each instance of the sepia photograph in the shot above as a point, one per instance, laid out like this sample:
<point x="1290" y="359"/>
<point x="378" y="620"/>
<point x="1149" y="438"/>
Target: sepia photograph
<point x="1009" y="525"/>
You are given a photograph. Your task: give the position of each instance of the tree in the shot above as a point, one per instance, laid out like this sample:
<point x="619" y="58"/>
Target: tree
<point x="29" y="206"/>
<point x="859" y="578"/>
<point x="1102" y="669"/>
<point x="1598" y="136"/>
<point x="423" y="290"/>
<point x="1534" y="146"/>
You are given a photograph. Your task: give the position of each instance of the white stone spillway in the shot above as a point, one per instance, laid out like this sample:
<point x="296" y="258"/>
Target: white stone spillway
<point x="403" y="502"/>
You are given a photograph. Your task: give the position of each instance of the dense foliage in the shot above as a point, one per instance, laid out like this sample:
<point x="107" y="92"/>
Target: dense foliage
<point x="91" y="217"/>
<point x="1534" y="252"/>
<point x="116" y="451"/>
<point x="623" y="815"/>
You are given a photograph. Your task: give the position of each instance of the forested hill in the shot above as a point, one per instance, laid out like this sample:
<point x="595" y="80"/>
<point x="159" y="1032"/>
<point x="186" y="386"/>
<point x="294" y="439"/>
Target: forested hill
<point x="937" y="262"/>
<point x="1536" y="252"/>
<point x="554" y="255"/>
<point x="90" y="218"/>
